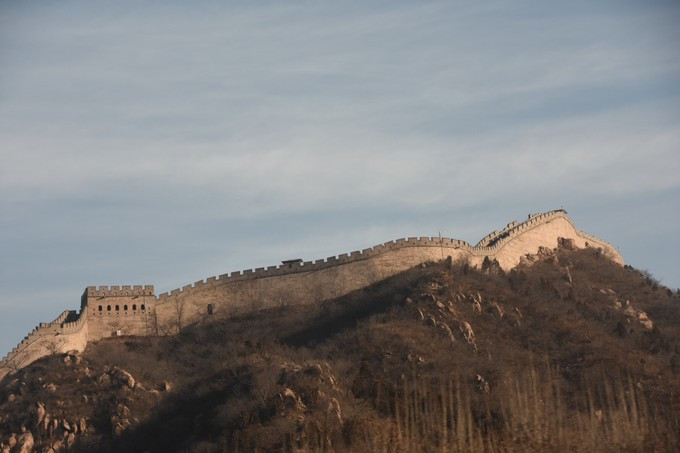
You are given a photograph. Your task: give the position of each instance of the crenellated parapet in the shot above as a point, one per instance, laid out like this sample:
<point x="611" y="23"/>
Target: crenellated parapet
<point x="119" y="291"/>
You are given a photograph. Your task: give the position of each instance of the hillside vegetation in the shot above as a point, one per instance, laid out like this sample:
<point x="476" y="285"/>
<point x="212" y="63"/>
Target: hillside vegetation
<point x="568" y="351"/>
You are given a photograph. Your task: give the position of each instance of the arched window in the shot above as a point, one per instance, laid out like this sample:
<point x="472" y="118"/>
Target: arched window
<point x="142" y="307"/>
<point x="210" y="309"/>
<point x="134" y="307"/>
<point x="125" y="307"/>
<point x="117" y="307"/>
<point x="108" y="308"/>
<point x="100" y="308"/>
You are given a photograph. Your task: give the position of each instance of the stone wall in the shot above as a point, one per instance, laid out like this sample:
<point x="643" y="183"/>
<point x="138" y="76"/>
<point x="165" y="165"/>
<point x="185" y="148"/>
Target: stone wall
<point x="309" y="282"/>
<point x="134" y="310"/>
<point x="60" y="335"/>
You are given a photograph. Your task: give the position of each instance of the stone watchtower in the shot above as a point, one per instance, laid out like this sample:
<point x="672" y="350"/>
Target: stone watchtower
<point x="114" y="310"/>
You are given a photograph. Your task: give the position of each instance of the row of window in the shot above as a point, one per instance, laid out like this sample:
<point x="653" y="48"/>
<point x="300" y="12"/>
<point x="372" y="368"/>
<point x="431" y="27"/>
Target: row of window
<point x="125" y="307"/>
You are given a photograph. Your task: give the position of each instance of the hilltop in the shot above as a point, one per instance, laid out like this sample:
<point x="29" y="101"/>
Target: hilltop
<point x="566" y="351"/>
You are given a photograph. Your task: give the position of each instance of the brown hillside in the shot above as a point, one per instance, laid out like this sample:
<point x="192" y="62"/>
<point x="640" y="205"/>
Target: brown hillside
<point x="568" y="351"/>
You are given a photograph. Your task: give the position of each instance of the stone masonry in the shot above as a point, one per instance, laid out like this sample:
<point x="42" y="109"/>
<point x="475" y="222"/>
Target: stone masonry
<point x="135" y="310"/>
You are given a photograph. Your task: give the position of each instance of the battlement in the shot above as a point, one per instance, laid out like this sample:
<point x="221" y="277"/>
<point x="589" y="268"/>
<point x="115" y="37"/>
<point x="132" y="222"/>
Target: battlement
<point x="497" y="238"/>
<point x="119" y="291"/>
<point x="490" y="244"/>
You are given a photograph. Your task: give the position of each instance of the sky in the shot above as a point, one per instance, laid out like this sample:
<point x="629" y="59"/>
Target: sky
<point x="148" y="142"/>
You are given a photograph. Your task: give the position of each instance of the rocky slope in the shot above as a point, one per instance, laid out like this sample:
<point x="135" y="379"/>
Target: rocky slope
<point x="567" y="351"/>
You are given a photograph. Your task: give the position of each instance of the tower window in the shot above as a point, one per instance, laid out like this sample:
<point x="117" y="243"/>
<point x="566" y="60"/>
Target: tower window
<point x="108" y="308"/>
<point x="117" y="307"/>
<point x="125" y="307"/>
<point x="100" y="308"/>
<point x="142" y="307"/>
<point x="134" y="307"/>
<point x="210" y="309"/>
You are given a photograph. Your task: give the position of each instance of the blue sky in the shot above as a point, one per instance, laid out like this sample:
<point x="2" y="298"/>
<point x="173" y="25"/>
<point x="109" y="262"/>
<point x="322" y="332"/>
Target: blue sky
<point x="166" y="142"/>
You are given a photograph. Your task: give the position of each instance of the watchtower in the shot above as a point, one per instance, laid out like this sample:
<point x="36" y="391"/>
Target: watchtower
<point x="119" y="310"/>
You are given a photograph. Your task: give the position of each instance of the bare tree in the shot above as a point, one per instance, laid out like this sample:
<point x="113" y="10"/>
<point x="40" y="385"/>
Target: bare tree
<point x="315" y="291"/>
<point x="173" y="320"/>
<point x="251" y="293"/>
<point x="151" y="321"/>
<point x="53" y="345"/>
<point x="178" y="305"/>
<point x="281" y="297"/>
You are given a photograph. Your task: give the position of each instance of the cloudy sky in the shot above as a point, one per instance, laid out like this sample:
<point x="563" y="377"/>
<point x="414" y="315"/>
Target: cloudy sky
<point x="165" y="142"/>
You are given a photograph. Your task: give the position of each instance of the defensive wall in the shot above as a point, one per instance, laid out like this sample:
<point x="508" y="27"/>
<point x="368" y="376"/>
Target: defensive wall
<point x="67" y="332"/>
<point x="314" y="281"/>
<point x="135" y="310"/>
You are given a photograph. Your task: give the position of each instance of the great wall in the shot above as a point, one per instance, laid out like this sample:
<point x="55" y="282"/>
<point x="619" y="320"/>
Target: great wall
<point x="135" y="310"/>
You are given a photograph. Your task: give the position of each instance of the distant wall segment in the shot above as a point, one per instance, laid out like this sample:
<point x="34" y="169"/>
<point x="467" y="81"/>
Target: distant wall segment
<point x="135" y="310"/>
<point x="66" y="333"/>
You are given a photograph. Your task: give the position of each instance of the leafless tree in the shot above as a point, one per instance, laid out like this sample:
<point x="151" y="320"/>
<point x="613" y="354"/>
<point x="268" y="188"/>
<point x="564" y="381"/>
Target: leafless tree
<point x="252" y="296"/>
<point x="178" y="305"/>
<point x="53" y="345"/>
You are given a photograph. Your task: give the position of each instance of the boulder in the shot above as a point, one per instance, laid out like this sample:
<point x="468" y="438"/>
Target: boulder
<point x="104" y="379"/>
<point x="122" y="377"/>
<point x="155" y="393"/>
<point x="566" y="243"/>
<point x="25" y="443"/>
<point x="39" y="414"/>
<point x="45" y="424"/>
<point x="70" y="440"/>
<point x="468" y="333"/>
<point x="122" y="411"/>
<point x="118" y="430"/>
<point x="292" y="401"/>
